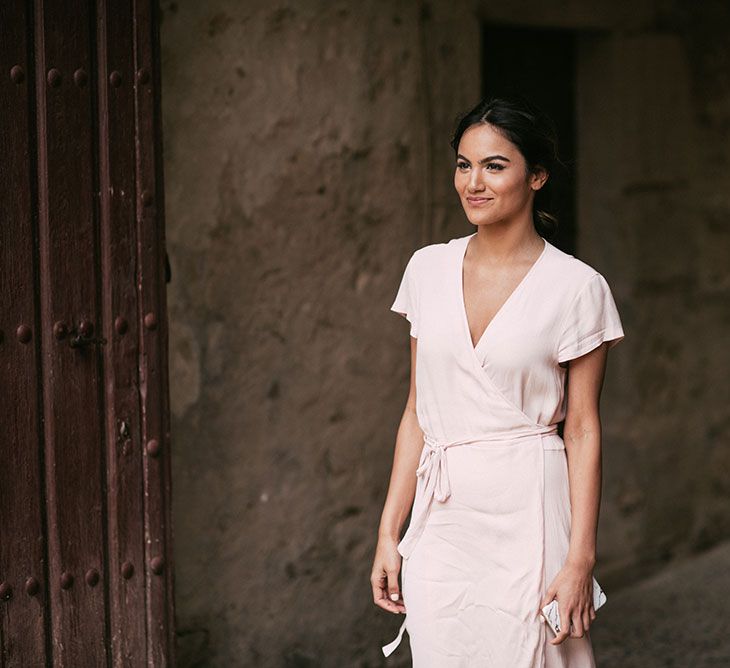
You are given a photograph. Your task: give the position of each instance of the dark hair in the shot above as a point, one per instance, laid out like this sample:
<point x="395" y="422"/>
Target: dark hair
<point x="533" y="133"/>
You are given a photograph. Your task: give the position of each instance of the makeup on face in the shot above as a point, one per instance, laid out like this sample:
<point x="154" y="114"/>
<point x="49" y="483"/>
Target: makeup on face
<point x="489" y="175"/>
<point x="479" y="201"/>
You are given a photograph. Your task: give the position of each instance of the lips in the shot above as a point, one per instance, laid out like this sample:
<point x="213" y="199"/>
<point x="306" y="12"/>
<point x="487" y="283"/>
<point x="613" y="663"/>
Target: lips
<point x="476" y="201"/>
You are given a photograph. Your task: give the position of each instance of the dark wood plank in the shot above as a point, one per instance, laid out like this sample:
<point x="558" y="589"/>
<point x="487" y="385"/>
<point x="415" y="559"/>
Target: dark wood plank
<point x="153" y="337"/>
<point x="72" y="384"/>
<point x="125" y="503"/>
<point x="23" y="595"/>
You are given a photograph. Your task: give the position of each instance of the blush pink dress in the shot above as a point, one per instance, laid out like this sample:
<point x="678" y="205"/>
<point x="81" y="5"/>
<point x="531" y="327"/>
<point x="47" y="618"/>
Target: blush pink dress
<point x="490" y="522"/>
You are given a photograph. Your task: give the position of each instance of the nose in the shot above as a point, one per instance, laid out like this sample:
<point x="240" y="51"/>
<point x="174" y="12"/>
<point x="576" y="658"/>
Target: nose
<point x="475" y="181"/>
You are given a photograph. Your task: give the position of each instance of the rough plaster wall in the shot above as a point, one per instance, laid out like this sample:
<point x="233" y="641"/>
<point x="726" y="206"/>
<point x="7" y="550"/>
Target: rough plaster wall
<point x="654" y="216"/>
<point x="306" y="156"/>
<point x="708" y="60"/>
<point x="296" y="139"/>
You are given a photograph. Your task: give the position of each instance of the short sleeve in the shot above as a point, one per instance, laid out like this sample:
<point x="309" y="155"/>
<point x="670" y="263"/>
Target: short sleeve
<point x="406" y="300"/>
<point x="591" y="320"/>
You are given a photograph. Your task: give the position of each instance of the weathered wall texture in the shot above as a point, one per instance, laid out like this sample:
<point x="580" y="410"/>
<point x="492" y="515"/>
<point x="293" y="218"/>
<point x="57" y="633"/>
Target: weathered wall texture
<point x="297" y="148"/>
<point x="306" y="156"/>
<point x="654" y="210"/>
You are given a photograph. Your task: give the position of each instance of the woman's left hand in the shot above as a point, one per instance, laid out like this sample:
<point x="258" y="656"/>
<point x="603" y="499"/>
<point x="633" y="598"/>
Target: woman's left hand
<point x="573" y="587"/>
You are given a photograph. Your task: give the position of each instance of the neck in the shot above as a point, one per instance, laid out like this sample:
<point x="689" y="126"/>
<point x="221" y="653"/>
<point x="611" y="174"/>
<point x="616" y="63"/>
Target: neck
<point x="501" y="243"/>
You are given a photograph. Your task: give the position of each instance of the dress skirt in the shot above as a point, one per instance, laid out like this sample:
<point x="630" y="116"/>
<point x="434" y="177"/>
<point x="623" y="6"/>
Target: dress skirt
<point x="464" y="584"/>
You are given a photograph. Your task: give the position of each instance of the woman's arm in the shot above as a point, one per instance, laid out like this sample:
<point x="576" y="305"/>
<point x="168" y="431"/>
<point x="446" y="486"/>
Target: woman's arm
<point x="398" y="502"/>
<point x="582" y="436"/>
<point x="408" y="446"/>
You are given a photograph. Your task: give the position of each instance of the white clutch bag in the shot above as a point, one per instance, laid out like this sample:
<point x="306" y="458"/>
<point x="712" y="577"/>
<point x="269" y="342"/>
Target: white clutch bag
<point x="550" y="611"/>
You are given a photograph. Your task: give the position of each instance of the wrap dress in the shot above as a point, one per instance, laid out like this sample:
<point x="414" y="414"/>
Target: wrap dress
<point x="490" y="523"/>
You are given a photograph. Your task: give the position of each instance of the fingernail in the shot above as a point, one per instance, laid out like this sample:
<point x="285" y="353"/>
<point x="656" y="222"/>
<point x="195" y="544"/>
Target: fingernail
<point x="394" y="597"/>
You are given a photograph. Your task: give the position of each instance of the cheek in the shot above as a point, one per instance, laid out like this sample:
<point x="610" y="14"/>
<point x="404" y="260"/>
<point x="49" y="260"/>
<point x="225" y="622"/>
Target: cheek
<point x="508" y="186"/>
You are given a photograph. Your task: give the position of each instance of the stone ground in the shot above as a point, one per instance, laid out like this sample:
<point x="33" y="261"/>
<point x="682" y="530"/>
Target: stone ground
<point x="679" y="618"/>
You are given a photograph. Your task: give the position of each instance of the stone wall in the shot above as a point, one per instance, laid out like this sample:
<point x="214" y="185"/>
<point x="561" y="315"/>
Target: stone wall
<point x="306" y="156"/>
<point x="653" y="212"/>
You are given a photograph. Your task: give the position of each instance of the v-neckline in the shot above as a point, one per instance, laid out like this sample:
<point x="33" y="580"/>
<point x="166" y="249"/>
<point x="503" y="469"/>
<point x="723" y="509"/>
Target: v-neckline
<point x="462" y="302"/>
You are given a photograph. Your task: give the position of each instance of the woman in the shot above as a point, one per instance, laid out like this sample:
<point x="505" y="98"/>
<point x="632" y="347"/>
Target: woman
<point x="499" y="319"/>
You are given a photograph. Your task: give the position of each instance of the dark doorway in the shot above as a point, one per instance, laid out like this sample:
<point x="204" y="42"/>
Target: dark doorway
<point x="540" y="64"/>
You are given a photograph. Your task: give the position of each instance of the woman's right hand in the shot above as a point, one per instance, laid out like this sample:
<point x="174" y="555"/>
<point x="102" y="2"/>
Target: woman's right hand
<point x="384" y="577"/>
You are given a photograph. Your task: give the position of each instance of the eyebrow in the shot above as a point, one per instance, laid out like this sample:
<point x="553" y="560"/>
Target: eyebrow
<point x="489" y="158"/>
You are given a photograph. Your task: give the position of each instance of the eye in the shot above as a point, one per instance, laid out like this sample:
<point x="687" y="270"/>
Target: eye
<point x="462" y="165"/>
<point x="496" y="165"/>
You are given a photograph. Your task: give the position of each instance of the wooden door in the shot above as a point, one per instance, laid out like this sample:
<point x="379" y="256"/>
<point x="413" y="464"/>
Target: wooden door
<point x="85" y="533"/>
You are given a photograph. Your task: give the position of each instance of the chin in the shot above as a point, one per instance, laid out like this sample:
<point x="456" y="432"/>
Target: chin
<point x="479" y="221"/>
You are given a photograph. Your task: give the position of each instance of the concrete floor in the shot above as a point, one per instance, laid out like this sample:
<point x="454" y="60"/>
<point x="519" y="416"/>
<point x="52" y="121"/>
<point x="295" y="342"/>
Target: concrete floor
<point x="679" y="618"/>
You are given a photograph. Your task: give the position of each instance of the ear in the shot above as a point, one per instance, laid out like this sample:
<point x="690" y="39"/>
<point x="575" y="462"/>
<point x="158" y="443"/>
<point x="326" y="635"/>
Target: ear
<point x="538" y="177"/>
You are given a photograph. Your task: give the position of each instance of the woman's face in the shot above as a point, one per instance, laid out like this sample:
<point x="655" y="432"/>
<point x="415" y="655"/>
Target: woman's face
<point x="491" y="177"/>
